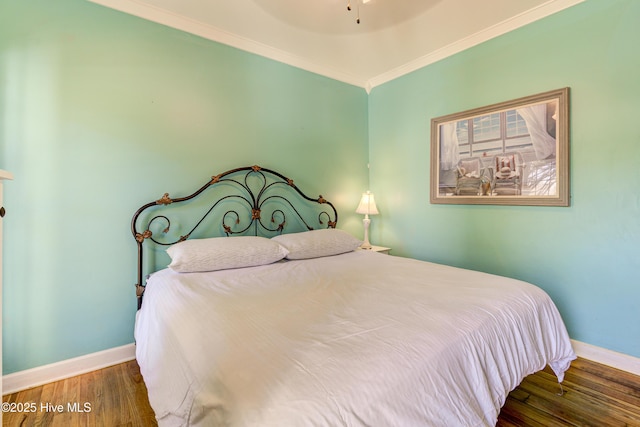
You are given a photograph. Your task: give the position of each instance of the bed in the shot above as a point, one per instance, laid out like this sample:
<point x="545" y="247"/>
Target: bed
<point x="267" y="327"/>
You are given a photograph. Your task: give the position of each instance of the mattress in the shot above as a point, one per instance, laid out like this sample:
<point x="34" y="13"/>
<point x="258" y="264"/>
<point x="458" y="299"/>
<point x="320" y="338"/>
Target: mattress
<point x="358" y="339"/>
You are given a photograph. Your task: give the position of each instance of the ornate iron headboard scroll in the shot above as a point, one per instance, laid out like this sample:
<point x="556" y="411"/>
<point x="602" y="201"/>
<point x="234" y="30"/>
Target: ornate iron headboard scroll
<point x="267" y="187"/>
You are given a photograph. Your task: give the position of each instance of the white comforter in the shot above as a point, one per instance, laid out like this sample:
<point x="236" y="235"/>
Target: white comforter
<point x="359" y="339"/>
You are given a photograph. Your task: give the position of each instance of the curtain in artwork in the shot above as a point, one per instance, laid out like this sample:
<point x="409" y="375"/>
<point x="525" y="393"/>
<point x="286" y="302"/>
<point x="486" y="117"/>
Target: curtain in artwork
<point x="543" y="143"/>
<point x="449" y="155"/>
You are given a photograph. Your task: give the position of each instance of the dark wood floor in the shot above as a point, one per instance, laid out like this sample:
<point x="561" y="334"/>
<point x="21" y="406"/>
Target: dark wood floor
<point x="593" y="395"/>
<point x="116" y="397"/>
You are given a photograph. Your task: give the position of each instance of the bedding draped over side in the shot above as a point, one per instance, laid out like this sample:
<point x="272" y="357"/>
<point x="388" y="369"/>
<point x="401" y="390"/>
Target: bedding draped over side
<point x="353" y="339"/>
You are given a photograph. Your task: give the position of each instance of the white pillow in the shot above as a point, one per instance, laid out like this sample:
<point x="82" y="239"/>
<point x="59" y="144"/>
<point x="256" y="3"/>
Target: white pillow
<point x="220" y="253"/>
<point x="317" y="243"/>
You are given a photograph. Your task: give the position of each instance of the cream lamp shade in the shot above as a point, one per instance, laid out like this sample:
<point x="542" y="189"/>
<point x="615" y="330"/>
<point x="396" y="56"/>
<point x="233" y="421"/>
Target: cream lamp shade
<point x="367" y="204"/>
<point x="367" y="207"/>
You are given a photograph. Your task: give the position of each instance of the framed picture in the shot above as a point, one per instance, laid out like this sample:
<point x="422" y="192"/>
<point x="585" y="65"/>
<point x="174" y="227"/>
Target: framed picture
<point x="512" y="153"/>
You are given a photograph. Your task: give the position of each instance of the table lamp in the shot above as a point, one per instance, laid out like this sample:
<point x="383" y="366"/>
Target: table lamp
<point x="367" y="207"/>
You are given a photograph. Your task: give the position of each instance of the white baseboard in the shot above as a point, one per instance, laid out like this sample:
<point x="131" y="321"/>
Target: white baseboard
<point x="91" y="362"/>
<point x="34" y="377"/>
<point x="607" y="357"/>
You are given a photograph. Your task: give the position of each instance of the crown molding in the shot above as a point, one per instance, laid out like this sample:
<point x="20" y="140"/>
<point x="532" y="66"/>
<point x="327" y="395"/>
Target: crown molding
<point x="542" y="11"/>
<point x="161" y="16"/>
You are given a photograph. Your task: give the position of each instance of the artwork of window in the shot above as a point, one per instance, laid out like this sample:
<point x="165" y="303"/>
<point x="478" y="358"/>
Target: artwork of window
<point x="515" y="152"/>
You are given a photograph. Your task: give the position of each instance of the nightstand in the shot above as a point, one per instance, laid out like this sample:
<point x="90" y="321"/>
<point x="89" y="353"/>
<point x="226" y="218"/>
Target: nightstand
<point x="380" y="249"/>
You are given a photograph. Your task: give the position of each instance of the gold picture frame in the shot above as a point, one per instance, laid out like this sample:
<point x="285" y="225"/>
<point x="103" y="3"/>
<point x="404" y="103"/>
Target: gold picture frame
<point x="511" y="153"/>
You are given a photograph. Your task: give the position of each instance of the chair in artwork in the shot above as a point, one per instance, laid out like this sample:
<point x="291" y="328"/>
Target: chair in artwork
<point x="508" y="173"/>
<point x="469" y="177"/>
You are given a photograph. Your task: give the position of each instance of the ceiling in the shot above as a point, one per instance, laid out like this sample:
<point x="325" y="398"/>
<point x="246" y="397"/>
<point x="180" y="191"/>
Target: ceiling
<point x="394" y="37"/>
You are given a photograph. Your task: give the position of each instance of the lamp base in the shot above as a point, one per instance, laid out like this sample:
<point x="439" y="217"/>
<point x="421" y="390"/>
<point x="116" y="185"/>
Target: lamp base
<point x="366" y="221"/>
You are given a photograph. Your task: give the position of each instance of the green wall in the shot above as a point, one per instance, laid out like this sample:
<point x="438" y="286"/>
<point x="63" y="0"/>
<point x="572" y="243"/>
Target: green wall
<point x="101" y="112"/>
<point x="586" y="256"/>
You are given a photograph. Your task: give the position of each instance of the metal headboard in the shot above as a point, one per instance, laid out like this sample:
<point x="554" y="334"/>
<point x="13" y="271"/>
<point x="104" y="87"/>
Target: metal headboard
<point x="268" y="187"/>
